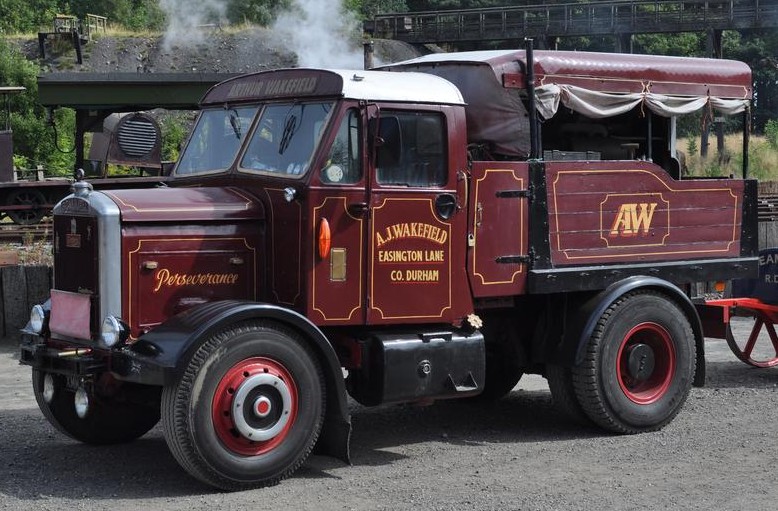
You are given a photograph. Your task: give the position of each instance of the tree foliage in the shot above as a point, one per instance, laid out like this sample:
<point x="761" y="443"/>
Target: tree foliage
<point x="367" y="9"/>
<point x="131" y="14"/>
<point x="33" y="134"/>
<point x="26" y="15"/>
<point x="259" y="12"/>
<point x="435" y="5"/>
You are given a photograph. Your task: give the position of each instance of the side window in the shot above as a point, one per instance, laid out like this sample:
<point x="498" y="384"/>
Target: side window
<point x="411" y="149"/>
<point x="344" y="162"/>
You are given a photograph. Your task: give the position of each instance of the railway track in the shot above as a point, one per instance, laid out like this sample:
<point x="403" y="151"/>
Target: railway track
<point x="13" y="233"/>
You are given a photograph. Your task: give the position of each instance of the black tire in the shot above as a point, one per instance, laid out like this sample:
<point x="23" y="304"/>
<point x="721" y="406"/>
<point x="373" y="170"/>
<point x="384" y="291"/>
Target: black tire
<point x="649" y="331"/>
<point x="503" y="372"/>
<point x="107" y="422"/>
<point x="258" y="364"/>
<point x="560" y="381"/>
<point x="26" y="197"/>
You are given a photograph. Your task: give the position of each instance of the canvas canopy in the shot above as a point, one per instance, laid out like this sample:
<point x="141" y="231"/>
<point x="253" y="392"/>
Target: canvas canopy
<point x="596" y="105"/>
<point x="596" y="85"/>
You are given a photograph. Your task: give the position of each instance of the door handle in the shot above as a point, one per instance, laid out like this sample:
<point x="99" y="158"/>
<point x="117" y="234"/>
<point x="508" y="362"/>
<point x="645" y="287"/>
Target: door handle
<point x="357" y="208"/>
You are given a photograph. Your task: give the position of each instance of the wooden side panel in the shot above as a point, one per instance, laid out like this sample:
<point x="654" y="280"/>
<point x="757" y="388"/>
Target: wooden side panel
<point x="622" y="212"/>
<point x="498" y="229"/>
<point x="165" y="273"/>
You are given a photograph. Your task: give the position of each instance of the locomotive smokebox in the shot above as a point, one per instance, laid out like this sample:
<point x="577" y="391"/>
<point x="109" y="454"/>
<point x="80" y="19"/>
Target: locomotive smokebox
<point x="132" y="139"/>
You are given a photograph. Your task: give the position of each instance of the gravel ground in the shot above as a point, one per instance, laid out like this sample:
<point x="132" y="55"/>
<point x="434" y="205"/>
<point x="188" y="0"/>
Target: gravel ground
<point x="519" y="453"/>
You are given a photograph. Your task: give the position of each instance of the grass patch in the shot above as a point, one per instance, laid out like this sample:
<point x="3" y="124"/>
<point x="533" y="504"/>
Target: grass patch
<point x="763" y="158"/>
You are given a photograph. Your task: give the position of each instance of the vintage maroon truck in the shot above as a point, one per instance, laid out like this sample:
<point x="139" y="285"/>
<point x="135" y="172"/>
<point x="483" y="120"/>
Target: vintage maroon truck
<point x="430" y="230"/>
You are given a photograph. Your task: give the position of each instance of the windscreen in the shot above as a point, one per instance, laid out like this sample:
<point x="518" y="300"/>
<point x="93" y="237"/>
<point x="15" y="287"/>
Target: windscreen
<point x="285" y="138"/>
<point x="215" y="140"/>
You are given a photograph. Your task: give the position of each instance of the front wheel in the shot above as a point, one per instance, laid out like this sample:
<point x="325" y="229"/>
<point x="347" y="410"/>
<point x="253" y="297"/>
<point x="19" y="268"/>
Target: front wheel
<point x="248" y="408"/>
<point x="639" y="364"/>
<point x="106" y="421"/>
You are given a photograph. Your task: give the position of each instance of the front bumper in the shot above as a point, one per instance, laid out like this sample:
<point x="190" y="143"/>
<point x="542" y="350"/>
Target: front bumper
<point x="86" y="362"/>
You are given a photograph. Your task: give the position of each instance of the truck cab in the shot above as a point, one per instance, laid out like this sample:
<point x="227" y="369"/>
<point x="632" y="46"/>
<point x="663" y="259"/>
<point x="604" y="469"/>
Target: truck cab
<point x="431" y="230"/>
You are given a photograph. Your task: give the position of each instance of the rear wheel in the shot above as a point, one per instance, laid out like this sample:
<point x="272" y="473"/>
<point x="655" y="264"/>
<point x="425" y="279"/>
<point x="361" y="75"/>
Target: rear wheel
<point x="248" y="409"/>
<point x="639" y="364"/>
<point x="560" y="382"/>
<point x="107" y="421"/>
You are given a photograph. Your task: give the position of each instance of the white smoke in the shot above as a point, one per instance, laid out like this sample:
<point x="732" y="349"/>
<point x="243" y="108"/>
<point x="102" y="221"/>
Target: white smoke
<point x="320" y="32"/>
<point x="186" y="19"/>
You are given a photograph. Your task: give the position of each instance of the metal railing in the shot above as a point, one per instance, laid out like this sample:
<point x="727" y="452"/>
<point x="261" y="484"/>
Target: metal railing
<point x="576" y="19"/>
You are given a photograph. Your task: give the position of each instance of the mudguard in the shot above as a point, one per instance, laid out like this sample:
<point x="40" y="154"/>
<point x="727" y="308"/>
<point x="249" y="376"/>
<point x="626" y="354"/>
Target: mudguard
<point x="588" y="314"/>
<point x="161" y="355"/>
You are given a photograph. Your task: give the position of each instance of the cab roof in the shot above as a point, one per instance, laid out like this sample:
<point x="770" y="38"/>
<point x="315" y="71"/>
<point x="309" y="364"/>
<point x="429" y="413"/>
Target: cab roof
<point x="301" y="83"/>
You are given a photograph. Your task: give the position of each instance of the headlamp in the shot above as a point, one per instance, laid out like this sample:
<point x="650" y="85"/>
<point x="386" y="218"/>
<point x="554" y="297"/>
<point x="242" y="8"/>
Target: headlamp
<point x="37" y="319"/>
<point x="112" y="332"/>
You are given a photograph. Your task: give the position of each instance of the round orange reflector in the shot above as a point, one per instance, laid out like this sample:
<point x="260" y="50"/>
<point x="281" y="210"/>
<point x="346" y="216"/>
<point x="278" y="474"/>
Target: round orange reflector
<point x="720" y="286"/>
<point x="325" y="239"/>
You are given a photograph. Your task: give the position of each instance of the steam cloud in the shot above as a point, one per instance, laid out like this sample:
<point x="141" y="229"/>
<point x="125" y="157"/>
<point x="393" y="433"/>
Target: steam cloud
<point x="320" y="33"/>
<point x="185" y="17"/>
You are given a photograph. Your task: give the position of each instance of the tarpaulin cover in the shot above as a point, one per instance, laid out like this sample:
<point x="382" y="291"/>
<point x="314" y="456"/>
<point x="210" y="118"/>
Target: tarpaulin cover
<point x="596" y="85"/>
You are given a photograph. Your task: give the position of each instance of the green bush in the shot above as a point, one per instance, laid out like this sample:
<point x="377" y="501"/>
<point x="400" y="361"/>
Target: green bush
<point x="174" y="132"/>
<point x="691" y="146"/>
<point x="771" y="133"/>
<point x="33" y="138"/>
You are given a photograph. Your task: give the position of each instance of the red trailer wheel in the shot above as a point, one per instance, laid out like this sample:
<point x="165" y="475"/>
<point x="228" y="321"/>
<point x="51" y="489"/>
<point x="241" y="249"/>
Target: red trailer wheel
<point x="759" y="347"/>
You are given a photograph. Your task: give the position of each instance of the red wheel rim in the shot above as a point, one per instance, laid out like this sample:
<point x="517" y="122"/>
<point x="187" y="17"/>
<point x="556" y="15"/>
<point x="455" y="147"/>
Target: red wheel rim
<point x="762" y="321"/>
<point x="255" y="406"/>
<point x="653" y="340"/>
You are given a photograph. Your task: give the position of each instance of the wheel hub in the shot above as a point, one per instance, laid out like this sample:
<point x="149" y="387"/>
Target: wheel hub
<point x="640" y="362"/>
<point x="646" y="363"/>
<point x="262" y="407"/>
<point x="254" y="406"/>
<point x="254" y="400"/>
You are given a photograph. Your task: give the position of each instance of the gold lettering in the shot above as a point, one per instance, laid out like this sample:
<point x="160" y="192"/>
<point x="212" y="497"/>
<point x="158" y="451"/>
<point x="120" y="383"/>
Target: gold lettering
<point x="422" y="275"/>
<point x="163" y="278"/>
<point x="631" y="218"/>
<point x="434" y="256"/>
<point x="400" y="256"/>
<point x="414" y="230"/>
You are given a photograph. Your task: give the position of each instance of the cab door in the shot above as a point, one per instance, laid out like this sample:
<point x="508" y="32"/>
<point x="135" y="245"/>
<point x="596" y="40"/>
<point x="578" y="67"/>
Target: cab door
<point x="338" y="212"/>
<point x="416" y="229"/>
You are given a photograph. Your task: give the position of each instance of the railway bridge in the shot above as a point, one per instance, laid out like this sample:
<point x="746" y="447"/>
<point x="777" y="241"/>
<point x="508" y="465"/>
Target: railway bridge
<point x="548" y="22"/>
